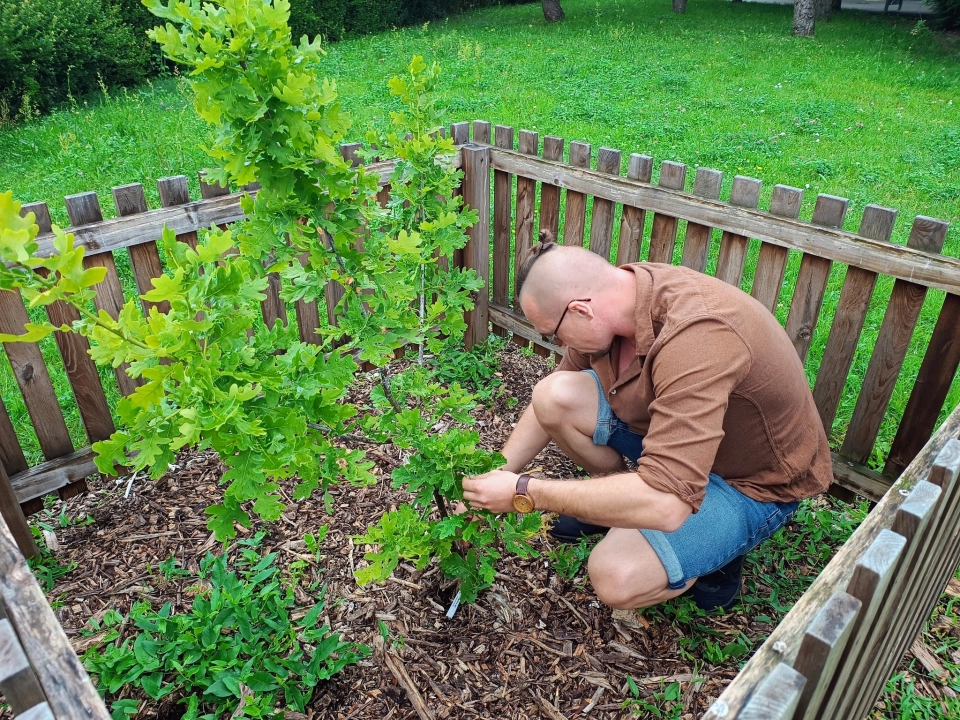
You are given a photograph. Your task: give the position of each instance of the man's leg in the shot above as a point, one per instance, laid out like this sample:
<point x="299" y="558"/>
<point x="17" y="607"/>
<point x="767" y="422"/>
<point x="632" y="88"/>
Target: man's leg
<point x="566" y="406"/>
<point x="626" y="573"/>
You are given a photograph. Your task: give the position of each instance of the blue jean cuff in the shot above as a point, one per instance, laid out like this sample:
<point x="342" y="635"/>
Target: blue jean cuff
<point x="671" y="563"/>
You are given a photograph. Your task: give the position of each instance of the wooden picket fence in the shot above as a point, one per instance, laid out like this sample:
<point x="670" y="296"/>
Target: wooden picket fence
<point x="521" y="173"/>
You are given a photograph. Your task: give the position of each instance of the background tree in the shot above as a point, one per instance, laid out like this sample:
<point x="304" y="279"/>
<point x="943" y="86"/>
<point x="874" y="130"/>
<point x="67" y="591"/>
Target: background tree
<point x="552" y="10"/>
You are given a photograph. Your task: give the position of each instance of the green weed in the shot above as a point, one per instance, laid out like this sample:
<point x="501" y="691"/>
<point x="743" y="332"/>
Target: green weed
<point x="243" y="643"/>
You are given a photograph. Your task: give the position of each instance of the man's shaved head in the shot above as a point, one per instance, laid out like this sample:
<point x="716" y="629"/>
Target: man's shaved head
<point x="553" y="275"/>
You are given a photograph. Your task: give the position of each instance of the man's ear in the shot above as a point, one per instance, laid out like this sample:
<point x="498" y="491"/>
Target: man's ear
<point x="582" y="308"/>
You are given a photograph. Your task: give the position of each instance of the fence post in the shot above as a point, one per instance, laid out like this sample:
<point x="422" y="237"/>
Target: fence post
<point x="476" y="255"/>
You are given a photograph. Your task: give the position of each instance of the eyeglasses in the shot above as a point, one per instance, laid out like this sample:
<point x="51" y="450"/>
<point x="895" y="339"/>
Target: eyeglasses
<point x="552" y="337"/>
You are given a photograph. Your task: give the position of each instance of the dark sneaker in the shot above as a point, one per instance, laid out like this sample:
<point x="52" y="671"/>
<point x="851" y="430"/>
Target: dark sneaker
<point x="569" y="530"/>
<point x="719" y="589"/>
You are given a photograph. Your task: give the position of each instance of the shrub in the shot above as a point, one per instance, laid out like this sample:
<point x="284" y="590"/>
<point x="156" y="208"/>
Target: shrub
<point x="50" y="49"/>
<point x="947" y="12"/>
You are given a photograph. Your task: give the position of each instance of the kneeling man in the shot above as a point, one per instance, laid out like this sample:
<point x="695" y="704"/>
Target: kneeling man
<point x="695" y="382"/>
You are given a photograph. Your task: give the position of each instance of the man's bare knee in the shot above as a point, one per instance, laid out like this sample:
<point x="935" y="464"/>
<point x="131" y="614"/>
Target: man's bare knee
<point x="620" y="585"/>
<point x="560" y="394"/>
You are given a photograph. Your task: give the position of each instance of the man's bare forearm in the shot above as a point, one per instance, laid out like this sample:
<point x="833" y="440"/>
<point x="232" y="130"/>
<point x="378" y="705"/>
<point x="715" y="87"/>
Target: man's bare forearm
<point x="525" y="442"/>
<point x="621" y="500"/>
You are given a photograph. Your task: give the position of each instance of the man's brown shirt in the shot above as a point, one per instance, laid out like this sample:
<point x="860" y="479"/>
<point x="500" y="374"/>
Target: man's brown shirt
<point x="716" y="386"/>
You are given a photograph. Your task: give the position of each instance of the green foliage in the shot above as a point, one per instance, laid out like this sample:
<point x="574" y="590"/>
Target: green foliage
<point x="665" y="703"/>
<point x="946" y="12"/>
<point x="239" y="644"/>
<point x="50" y="49"/>
<point x="567" y="559"/>
<point x="45" y="566"/>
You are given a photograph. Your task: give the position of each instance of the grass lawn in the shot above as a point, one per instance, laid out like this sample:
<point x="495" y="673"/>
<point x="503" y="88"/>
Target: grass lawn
<point x="869" y="110"/>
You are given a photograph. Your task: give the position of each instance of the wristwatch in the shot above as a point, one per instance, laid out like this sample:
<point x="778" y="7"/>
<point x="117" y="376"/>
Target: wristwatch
<point x="522" y="502"/>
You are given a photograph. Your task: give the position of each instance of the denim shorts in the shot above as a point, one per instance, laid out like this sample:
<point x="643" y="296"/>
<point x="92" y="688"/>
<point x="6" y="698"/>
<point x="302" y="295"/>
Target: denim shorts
<point x="728" y="524"/>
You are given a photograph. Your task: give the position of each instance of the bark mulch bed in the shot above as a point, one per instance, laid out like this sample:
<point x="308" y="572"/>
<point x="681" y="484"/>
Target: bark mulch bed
<point x="534" y="645"/>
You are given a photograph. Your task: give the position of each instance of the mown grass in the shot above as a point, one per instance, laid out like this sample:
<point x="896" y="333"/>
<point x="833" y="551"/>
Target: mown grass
<point x="868" y="110"/>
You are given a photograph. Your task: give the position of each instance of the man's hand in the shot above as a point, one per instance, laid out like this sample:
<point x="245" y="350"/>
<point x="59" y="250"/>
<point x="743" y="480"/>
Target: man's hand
<point x="492" y="491"/>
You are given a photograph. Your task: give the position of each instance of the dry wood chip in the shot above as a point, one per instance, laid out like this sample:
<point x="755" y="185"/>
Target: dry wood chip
<point x="929" y="661"/>
<point x="550" y="709"/>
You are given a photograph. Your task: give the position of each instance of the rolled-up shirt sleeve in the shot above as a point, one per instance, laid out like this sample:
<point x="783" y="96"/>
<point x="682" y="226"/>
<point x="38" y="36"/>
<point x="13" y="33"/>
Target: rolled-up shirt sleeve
<point x="693" y="375"/>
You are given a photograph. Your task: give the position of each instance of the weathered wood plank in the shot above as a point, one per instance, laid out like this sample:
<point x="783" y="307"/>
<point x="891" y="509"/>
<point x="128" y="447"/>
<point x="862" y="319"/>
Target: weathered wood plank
<point x="893" y="340"/>
<point x="550" y="194"/>
<point x="519" y="326"/>
<point x="308" y="316"/>
<point x="912" y="521"/>
<point x="777" y="696"/>
<point x="821" y="648"/>
<point x="526" y="199"/>
<point x="176" y="191"/>
<point x="476" y="254"/>
<point x="481" y="132"/>
<point x="733" y="247"/>
<point x="783" y="643"/>
<point x="937" y="559"/>
<point x="11" y="454"/>
<point x="772" y="260"/>
<point x="935" y="271"/>
<point x="33" y="379"/>
<point x="633" y="219"/>
<point x="19" y="685"/>
<point x="84" y="209"/>
<point x="502" y="225"/>
<point x="930" y="390"/>
<point x="64" y="682"/>
<point x="877" y="224"/>
<point x="601" y="224"/>
<point x="13" y="515"/>
<point x="110" y="235"/>
<point x="50" y="476"/>
<point x="37" y="712"/>
<point x="696" y="241"/>
<point x="871" y="576"/>
<point x="74" y="350"/>
<point x="812" y="279"/>
<point x="210" y="190"/>
<point x="575" y="212"/>
<point x="859" y="478"/>
<point x="663" y="235"/>
<point x="144" y="257"/>
<point x="460" y="132"/>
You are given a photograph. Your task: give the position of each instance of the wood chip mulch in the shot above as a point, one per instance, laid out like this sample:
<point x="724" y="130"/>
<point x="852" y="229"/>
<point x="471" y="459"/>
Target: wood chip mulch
<point x="534" y="645"/>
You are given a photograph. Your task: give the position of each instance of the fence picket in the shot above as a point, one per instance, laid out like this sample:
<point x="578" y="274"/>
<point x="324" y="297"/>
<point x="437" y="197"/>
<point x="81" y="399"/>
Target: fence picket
<point x="663" y="236"/>
<point x="633" y="219"/>
<point x="502" y="222"/>
<point x="745" y="193"/>
<point x="777" y="696"/>
<point x="575" y="212"/>
<point x="84" y="209"/>
<point x="812" y="279"/>
<point x="821" y="648"/>
<point x="476" y="255"/>
<point x="481" y="132"/>
<point x="772" y="260"/>
<point x="877" y="224"/>
<point x="601" y="224"/>
<point x="175" y="191"/>
<point x="144" y="257"/>
<point x="550" y="194"/>
<point x="696" y="241"/>
<point x="901" y="316"/>
<point x="940" y="362"/>
<point x="11" y="454"/>
<point x="13" y="514"/>
<point x="79" y="366"/>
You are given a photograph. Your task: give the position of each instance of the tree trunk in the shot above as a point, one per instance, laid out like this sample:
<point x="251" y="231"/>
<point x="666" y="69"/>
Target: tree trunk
<point x="552" y="11"/>
<point x="822" y="9"/>
<point x="680" y="6"/>
<point x="803" y="18"/>
<point x="836" y="5"/>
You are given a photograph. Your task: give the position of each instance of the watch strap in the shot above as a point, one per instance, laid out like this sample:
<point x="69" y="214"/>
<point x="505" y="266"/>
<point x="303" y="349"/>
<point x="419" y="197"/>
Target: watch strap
<point x="522" y="483"/>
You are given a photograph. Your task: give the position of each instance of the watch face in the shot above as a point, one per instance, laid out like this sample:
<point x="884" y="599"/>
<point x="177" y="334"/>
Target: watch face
<point x="522" y="503"/>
